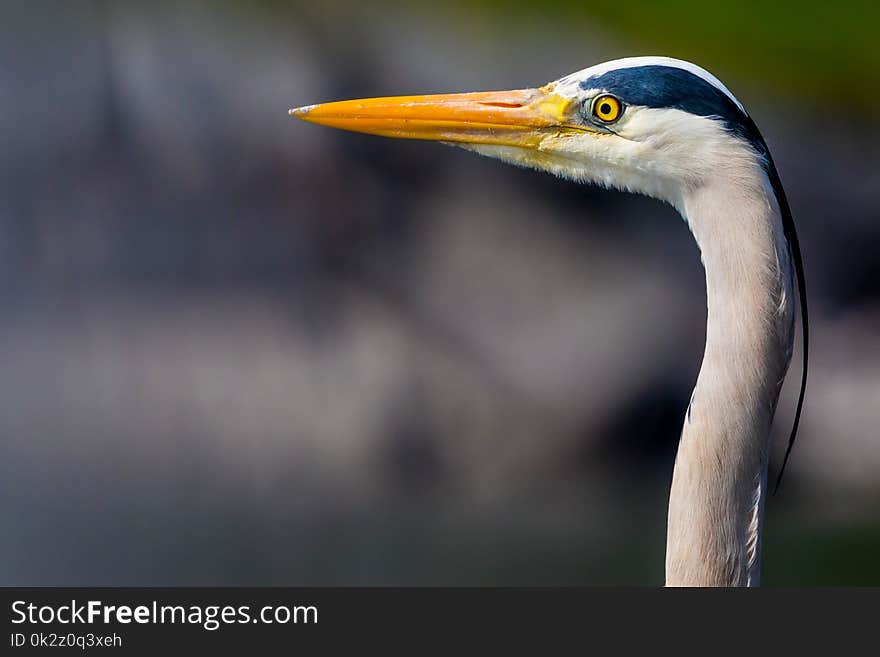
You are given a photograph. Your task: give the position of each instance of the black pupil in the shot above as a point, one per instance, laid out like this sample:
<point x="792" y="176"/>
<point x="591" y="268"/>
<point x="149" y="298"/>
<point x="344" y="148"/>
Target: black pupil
<point x="605" y="108"/>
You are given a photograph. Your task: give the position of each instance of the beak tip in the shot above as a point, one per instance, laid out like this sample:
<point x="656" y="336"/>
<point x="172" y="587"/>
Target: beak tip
<point x="301" y="112"/>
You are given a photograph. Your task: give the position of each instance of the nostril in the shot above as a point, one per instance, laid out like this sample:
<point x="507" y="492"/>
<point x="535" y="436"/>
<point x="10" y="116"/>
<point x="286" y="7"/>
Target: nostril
<point x="499" y="104"/>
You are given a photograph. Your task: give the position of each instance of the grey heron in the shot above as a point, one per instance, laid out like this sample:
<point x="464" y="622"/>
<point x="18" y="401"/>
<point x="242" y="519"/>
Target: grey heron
<point x="670" y="130"/>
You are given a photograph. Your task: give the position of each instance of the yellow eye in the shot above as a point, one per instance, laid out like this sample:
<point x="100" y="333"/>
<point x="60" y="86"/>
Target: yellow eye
<point x="606" y="108"/>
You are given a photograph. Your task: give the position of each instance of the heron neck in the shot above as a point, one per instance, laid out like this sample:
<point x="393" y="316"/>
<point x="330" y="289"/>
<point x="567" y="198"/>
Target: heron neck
<point x="719" y="480"/>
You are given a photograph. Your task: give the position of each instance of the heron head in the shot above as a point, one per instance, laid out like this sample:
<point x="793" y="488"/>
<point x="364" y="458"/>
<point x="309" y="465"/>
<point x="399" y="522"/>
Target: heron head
<point x="653" y="125"/>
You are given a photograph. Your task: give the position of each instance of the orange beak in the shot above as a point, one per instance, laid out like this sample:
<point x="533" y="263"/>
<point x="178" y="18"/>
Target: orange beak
<point x="508" y="118"/>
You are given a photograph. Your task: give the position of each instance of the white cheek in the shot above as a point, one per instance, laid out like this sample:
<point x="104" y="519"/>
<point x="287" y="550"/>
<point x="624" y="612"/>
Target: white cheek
<point x="615" y="162"/>
<point x="662" y="153"/>
<point x="690" y="149"/>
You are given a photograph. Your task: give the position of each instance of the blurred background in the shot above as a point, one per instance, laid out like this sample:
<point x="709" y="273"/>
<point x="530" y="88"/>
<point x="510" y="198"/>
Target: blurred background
<point x="238" y="349"/>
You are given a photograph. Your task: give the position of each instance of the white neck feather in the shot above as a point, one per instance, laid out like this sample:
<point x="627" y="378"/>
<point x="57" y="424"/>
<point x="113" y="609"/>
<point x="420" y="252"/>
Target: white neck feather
<point x="719" y="482"/>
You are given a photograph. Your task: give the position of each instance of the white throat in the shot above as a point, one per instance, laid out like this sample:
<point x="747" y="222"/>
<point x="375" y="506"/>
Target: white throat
<point x="719" y="481"/>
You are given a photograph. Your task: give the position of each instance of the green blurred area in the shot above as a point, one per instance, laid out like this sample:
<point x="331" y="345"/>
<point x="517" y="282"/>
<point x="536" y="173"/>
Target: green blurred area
<point x="810" y="49"/>
<point x="844" y="556"/>
<point x="813" y="51"/>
